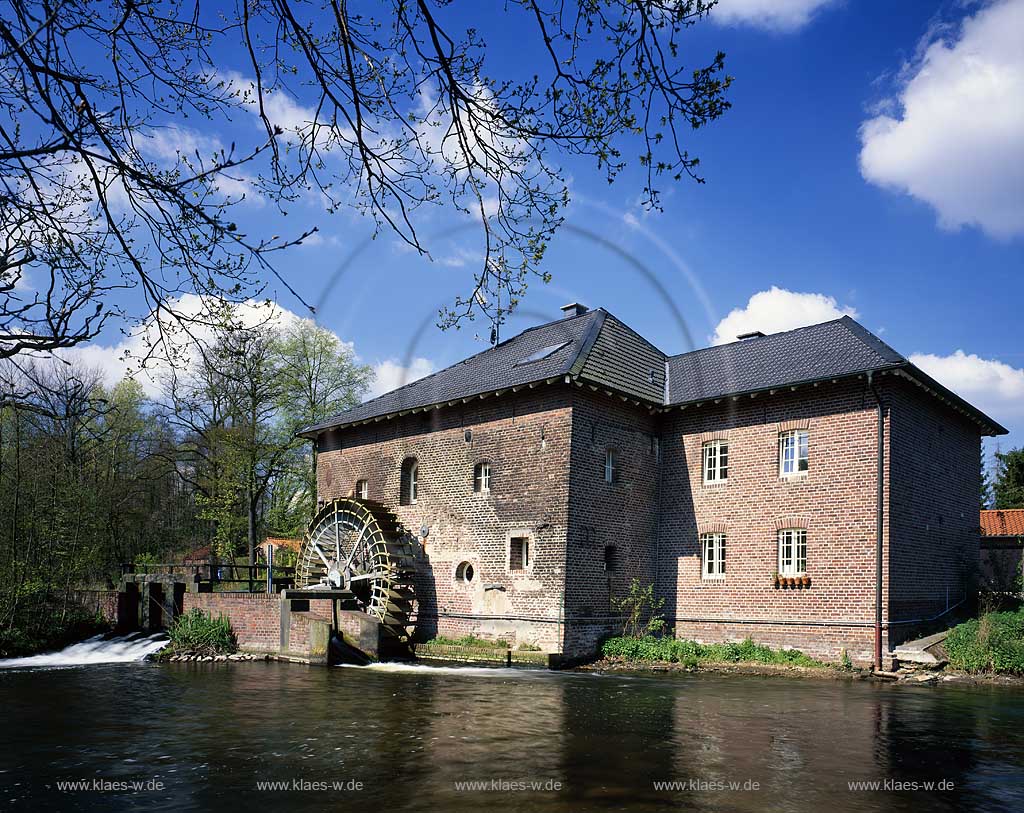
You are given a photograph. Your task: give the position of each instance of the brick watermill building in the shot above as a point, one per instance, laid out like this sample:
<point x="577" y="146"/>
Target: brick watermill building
<point x="809" y="489"/>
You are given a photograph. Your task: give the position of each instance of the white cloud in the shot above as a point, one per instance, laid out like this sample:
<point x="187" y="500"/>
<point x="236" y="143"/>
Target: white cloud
<point x="390" y="374"/>
<point x="130" y="356"/>
<point x="958" y="141"/>
<point x="777" y="15"/>
<point x="993" y="386"/>
<point x="777" y="309"/>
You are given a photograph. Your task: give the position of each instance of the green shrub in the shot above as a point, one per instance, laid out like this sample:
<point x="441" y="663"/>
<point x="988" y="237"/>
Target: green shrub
<point x="690" y="653"/>
<point x="199" y="633"/>
<point x="992" y="643"/>
<point x="470" y="641"/>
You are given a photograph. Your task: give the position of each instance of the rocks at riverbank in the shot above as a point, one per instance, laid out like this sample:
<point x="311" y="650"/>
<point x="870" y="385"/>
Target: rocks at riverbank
<point x="168" y="656"/>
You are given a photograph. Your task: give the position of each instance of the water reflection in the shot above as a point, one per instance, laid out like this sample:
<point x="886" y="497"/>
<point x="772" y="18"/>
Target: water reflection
<point x="412" y="737"/>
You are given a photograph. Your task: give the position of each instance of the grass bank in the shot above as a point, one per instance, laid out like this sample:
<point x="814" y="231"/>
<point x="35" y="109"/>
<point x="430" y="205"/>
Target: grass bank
<point x="992" y="643"/>
<point x="690" y="654"/>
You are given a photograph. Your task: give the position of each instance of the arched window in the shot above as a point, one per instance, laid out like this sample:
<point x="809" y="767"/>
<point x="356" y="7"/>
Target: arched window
<point x="410" y="481"/>
<point x="362" y="490"/>
<point x="482" y="478"/>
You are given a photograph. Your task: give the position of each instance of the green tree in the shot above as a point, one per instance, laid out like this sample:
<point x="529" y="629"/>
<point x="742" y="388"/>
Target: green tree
<point x="1009" y="484"/>
<point x="985" y="481"/>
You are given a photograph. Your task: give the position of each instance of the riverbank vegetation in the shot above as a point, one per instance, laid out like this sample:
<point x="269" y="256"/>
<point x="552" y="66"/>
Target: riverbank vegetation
<point x="199" y="633"/>
<point x="203" y="459"/>
<point x="648" y="649"/>
<point x="994" y="642"/>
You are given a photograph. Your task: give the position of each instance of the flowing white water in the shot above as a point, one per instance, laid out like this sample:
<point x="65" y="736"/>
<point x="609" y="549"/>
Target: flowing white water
<point x="100" y="649"/>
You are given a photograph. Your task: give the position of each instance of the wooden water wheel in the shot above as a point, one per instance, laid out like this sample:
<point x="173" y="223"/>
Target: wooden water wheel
<point x="359" y="545"/>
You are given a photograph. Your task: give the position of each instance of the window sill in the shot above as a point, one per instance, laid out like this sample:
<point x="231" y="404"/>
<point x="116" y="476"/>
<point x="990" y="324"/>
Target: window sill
<point x="713" y="578"/>
<point x="715" y="483"/>
<point x="789" y="478"/>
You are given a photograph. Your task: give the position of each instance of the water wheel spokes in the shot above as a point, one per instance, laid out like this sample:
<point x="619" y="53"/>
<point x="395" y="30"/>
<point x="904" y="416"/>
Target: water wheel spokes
<point x="360" y="546"/>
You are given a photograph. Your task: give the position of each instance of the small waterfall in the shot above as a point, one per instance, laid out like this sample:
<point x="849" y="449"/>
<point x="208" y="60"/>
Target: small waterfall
<point x="99" y="649"/>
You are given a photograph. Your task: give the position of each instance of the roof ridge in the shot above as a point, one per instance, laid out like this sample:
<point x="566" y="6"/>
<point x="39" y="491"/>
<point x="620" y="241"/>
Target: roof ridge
<point x="766" y="336"/>
<point x="869" y="339"/>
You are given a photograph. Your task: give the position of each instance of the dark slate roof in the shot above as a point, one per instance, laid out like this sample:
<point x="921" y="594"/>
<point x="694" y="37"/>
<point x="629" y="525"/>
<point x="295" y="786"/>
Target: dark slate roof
<point x="495" y="368"/>
<point x="828" y="350"/>
<point x="598" y="349"/>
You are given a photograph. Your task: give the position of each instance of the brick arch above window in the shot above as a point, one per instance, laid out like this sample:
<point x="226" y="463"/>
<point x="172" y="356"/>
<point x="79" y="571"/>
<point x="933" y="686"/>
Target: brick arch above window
<point x="719" y="434"/>
<point x="795" y="423"/>
<point x="712" y="528"/>
<point x="791" y="522"/>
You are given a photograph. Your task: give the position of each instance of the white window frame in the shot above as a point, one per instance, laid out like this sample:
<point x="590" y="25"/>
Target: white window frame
<point x="362" y="489"/>
<point x="414" y="482"/>
<point x="712" y="556"/>
<point x="482" y="477"/>
<point x="794" y="450"/>
<point x="793" y="552"/>
<point x="609" y="465"/>
<point x="714" y="471"/>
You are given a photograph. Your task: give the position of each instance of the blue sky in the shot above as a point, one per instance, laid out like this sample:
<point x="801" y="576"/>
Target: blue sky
<point x="859" y="171"/>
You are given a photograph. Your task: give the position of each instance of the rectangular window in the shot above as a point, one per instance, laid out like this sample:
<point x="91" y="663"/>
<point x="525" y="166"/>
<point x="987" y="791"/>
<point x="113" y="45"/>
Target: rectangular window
<point x="482" y="478"/>
<point x="610" y="558"/>
<point x="716" y="461"/>
<point x="609" y="466"/>
<point x="714" y="556"/>
<point x="792" y="552"/>
<point x="519" y="553"/>
<point x="362" y="489"/>
<point x="793" y="453"/>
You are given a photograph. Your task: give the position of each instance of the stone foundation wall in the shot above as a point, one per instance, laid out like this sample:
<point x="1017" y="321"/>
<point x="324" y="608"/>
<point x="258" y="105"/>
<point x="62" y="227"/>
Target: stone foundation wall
<point x="101" y="602"/>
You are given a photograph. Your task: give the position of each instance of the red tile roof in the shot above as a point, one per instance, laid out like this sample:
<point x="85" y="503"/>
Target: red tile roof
<point x="1005" y="522"/>
<point x="281" y="542"/>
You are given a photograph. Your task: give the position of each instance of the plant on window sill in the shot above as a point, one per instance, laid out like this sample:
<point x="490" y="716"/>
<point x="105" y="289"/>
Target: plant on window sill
<point x="790" y="581"/>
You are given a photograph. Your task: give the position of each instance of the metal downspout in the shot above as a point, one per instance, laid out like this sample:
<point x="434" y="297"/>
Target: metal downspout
<point x="879" y="516"/>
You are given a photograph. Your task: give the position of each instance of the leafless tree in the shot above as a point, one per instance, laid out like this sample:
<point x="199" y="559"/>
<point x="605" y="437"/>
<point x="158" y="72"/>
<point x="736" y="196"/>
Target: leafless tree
<point x="384" y="106"/>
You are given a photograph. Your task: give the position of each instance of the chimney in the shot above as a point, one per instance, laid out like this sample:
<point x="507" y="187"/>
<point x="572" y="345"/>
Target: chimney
<point x="754" y="334"/>
<point x="574" y="309"/>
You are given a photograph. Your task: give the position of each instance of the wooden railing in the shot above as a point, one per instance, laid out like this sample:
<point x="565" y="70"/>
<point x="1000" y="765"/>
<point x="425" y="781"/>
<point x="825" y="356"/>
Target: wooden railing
<point x="227" y="573"/>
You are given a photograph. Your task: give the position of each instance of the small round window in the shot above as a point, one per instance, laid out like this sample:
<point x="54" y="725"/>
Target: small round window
<point x="464" y="573"/>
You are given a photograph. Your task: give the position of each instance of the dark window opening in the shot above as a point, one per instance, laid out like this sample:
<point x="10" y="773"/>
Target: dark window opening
<point x="611" y="556"/>
<point x="519" y="553"/>
<point x="410" y="481"/>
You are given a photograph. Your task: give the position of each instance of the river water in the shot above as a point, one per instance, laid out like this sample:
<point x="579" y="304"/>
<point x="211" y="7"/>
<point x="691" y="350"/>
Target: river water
<point x="205" y="736"/>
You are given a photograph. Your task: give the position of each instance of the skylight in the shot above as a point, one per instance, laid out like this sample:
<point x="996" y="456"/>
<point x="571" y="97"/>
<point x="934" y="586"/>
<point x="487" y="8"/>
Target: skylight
<point x="543" y="353"/>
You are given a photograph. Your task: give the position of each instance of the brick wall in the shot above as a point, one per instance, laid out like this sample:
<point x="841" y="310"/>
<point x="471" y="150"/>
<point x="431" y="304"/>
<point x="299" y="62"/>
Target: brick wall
<point x="526" y="438"/>
<point x="621" y="514"/>
<point x="255" y="617"/>
<point x="935" y="505"/>
<point x="542" y="441"/>
<point x="834" y="501"/>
